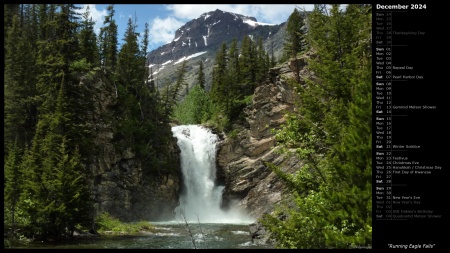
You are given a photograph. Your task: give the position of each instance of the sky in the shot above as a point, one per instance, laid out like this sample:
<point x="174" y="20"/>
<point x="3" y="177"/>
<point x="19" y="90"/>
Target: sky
<point x="165" y="19"/>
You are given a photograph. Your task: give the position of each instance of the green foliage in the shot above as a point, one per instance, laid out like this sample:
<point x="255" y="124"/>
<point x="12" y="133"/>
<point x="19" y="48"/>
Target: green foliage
<point x="295" y="40"/>
<point x="108" y="224"/>
<point x="233" y="134"/>
<point x="55" y="195"/>
<point x="201" y="76"/>
<point x="195" y="109"/>
<point x="219" y="120"/>
<point x="88" y="40"/>
<point x="301" y="226"/>
<point x="235" y="75"/>
<point x="108" y="41"/>
<point x="13" y="183"/>
<point x="20" y="114"/>
<point x="49" y="109"/>
<point x="331" y="134"/>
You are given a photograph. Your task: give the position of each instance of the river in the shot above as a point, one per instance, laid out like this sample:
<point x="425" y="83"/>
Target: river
<point x="167" y="235"/>
<point x="200" y="206"/>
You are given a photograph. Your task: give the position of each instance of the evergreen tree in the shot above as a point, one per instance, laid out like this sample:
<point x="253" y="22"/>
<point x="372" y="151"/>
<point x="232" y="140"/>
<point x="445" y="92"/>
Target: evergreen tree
<point x="261" y="69"/>
<point x="42" y="12"/>
<point x="108" y="41"/>
<point x="130" y="69"/>
<point x="19" y="87"/>
<point x="201" y="75"/>
<point x="176" y="89"/>
<point x="145" y="41"/>
<point x="56" y="195"/>
<point x="332" y="191"/>
<point x="88" y="40"/>
<point x="295" y="34"/>
<point x="267" y="63"/>
<point x="295" y="41"/>
<point x="218" y="89"/>
<point x="273" y="61"/>
<point x="13" y="183"/>
<point x="233" y="66"/>
<point x="247" y="66"/>
<point x="151" y="83"/>
<point x="55" y="54"/>
<point x="233" y="79"/>
<point x="62" y="119"/>
<point x="9" y="11"/>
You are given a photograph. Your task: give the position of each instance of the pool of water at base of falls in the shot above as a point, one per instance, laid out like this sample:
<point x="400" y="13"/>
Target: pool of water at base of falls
<point x="167" y="235"/>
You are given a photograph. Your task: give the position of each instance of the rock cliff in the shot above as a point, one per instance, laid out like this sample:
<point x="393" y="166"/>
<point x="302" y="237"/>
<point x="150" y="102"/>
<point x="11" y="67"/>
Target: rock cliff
<point x="254" y="187"/>
<point x="117" y="179"/>
<point x="201" y="38"/>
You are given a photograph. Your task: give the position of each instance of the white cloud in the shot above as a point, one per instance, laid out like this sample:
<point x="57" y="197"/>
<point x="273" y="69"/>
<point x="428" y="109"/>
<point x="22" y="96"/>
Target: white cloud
<point x="97" y="16"/>
<point x="266" y="13"/>
<point x="163" y="30"/>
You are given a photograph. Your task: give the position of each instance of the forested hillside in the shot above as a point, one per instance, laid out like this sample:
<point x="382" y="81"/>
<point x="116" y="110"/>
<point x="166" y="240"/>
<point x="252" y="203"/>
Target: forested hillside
<point x="332" y="133"/>
<point x="75" y="100"/>
<point x="329" y="131"/>
<point x="57" y="74"/>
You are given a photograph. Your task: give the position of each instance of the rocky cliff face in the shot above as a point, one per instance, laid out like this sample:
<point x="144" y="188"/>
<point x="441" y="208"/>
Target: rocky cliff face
<point x="201" y="38"/>
<point x="117" y="181"/>
<point x="208" y="32"/>
<point x="240" y="158"/>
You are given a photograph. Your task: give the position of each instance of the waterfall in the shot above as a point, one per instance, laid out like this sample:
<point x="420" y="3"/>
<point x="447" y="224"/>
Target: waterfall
<point x="201" y="198"/>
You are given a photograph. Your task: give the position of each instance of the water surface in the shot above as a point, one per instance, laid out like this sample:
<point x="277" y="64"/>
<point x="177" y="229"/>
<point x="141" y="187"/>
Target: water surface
<point x="167" y="235"/>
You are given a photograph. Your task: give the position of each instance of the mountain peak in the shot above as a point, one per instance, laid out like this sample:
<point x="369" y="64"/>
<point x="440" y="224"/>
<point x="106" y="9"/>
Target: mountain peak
<point x="201" y="38"/>
<point x="220" y="13"/>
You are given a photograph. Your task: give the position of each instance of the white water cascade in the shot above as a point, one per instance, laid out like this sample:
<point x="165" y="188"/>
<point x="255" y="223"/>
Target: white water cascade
<point x="201" y="198"/>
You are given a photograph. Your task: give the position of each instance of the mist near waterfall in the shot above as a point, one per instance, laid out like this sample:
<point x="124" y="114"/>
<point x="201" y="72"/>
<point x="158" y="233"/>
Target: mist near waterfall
<point x="201" y="198"/>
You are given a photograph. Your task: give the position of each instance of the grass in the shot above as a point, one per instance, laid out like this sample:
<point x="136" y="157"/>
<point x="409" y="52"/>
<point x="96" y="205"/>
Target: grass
<point x="110" y="225"/>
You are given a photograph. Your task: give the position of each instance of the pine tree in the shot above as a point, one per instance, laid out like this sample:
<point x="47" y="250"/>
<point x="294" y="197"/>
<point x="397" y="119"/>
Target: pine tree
<point x="261" y="69"/>
<point x="151" y="83"/>
<point x="88" y="40"/>
<point x="55" y="194"/>
<point x="295" y="41"/>
<point x="201" y="75"/>
<point x="218" y="89"/>
<point x="145" y="42"/>
<point x="108" y="41"/>
<point x="295" y="34"/>
<point x="74" y="194"/>
<point x="332" y="190"/>
<point x="247" y="66"/>
<point x="273" y="61"/>
<point x="130" y="69"/>
<point x="9" y="11"/>
<point x="13" y="183"/>
<point x="233" y="75"/>
<point x="19" y="87"/>
<point x="176" y="89"/>
<point x="62" y="108"/>
<point x="351" y="156"/>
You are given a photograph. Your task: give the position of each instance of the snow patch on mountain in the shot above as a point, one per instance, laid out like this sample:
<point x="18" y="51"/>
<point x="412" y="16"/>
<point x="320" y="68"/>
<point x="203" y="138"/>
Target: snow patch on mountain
<point x="254" y="23"/>
<point x="189" y="57"/>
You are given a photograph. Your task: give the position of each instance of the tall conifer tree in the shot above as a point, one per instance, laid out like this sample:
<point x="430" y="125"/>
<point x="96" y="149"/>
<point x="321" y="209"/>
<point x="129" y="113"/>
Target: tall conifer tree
<point x="201" y="75"/>
<point x="108" y="41"/>
<point x="333" y="188"/>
